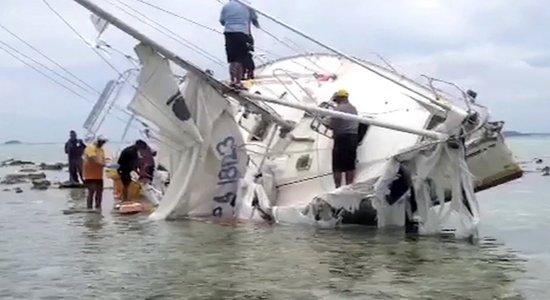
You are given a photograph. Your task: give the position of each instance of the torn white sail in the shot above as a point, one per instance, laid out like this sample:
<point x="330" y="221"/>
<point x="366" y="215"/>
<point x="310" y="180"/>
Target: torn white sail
<point x="211" y="170"/>
<point x="159" y="100"/>
<point x="100" y="24"/>
<point x="198" y="136"/>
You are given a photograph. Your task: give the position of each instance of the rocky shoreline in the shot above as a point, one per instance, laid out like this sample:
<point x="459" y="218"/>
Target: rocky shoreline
<point x="30" y="173"/>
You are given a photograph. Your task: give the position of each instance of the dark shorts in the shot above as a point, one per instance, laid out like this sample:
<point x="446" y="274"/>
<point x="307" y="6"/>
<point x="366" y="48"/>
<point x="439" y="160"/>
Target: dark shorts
<point x="125" y="176"/>
<point x="236" y="46"/>
<point x="344" y="152"/>
<point x="94" y="183"/>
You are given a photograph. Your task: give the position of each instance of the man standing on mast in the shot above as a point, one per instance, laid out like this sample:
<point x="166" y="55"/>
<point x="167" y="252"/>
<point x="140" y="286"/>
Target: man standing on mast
<point x="236" y="18"/>
<point x="345" y="133"/>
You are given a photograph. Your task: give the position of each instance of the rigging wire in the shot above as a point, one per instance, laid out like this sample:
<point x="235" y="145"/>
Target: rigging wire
<point x="83" y="39"/>
<point x="62" y="85"/>
<point x="157" y="7"/>
<point x="282" y="42"/>
<point x="7" y="50"/>
<point x="43" y="66"/>
<point x="49" y="59"/>
<point x="171" y="34"/>
<point x="80" y="36"/>
<point x="138" y="90"/>
<point x="179" y="16"/>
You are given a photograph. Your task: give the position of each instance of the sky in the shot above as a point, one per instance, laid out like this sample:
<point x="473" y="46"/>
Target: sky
<point x="499" y="48"/>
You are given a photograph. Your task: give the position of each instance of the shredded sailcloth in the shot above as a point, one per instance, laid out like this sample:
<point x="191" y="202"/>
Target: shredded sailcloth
<point x="202" y="147"/>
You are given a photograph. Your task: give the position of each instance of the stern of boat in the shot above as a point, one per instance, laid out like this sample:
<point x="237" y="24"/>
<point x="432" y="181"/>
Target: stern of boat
<point x="489" y="159"/>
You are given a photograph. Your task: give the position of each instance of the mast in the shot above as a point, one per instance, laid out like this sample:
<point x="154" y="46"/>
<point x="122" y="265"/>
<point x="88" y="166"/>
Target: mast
<point x="244" y="97"/>
<point x="349" y="57"/>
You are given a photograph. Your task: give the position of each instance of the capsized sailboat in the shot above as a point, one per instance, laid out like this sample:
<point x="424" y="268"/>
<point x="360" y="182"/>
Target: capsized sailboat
<point x="264" y="154"/>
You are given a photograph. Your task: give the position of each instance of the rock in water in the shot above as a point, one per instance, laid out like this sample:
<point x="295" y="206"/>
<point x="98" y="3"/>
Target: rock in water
<point x="14" y="162"/>
<point x="52" y="167"/>
<point x="41" y="184"/>
<point x="28" y="170"/>
<point x="14" y="179"/>
<point x="18" y="190"/>
<point x="36" y="176"/>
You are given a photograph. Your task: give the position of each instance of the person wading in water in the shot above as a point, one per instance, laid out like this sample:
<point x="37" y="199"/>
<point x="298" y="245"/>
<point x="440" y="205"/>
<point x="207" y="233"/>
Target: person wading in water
<point x="74" y="148"/>
<point x="128" y="161"/>
<point x="345" y="133"/>
<point x="236" y="19"/>
<point x="94" y="162"/>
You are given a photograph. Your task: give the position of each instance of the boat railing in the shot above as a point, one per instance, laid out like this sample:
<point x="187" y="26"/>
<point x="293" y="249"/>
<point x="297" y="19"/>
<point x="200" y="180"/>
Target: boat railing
<point x="318" y="124"/>
<point x="288" y="75"/>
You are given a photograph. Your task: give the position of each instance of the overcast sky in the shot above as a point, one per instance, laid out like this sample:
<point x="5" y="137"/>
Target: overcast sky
<point x="497" y="47"/>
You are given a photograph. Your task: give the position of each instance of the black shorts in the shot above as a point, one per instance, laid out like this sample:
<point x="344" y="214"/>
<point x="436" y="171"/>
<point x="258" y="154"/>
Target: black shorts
<point x="236" y="46"/>
<point x="93" y="183"/>
<point x="344" y="152"/>
<point x="125" y="176"/>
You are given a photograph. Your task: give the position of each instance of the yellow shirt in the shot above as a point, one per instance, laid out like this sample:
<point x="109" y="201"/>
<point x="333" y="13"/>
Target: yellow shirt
<point x="93" y="170"/>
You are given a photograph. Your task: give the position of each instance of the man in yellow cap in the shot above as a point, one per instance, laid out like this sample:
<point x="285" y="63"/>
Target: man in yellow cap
<point x="345" y="134"/>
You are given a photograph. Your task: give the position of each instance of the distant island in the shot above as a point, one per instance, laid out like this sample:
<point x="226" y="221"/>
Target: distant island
<point x="13" y="142"/>
<point x="517" y="133"/>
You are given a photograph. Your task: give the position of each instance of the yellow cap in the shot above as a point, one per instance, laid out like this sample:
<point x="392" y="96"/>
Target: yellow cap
<point x="342" y="93"/>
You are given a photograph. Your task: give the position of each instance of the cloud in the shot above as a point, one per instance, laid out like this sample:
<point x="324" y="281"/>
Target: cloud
<point x="496" y="47"/>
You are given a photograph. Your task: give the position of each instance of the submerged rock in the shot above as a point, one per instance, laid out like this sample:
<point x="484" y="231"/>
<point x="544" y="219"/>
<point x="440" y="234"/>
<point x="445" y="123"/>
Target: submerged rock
<point x="14" y="179"/>
<point x="28" y="170"/>
<point x="41" y="184"/>
<point x="18" y="190"/>
<point x="15" y="162"/>
<point x="36" y="176"/>
<point x="17" y="178"/>
<point x="52" y="167"/>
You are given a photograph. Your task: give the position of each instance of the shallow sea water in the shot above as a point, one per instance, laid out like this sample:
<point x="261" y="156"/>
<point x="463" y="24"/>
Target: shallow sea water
<point x="45" y="254"/>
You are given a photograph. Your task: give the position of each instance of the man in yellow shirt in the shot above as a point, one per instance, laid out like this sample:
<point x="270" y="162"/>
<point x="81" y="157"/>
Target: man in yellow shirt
<point x="94" y="162"/>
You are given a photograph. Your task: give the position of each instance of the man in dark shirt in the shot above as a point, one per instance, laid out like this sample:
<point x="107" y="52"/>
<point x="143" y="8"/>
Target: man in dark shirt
<point x="74" y="148"/>
<point x="128" y="161"/>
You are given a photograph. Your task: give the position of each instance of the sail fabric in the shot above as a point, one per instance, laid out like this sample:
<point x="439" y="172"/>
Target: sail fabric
<point x="100" y="24"/>
<point x="159" y="100"/>
<point x="445" y="168"/>
<point x="209" y="173"/>
<point x="198" y="138"/>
